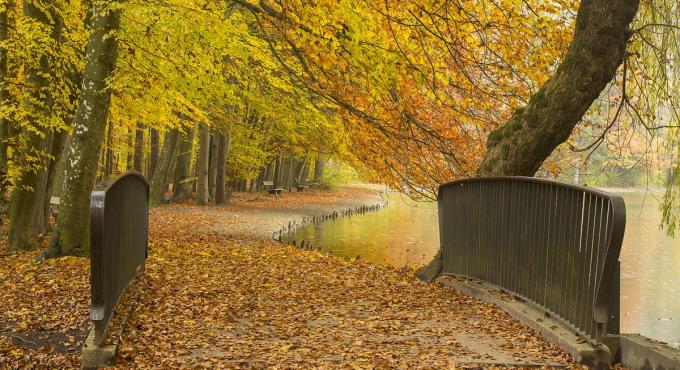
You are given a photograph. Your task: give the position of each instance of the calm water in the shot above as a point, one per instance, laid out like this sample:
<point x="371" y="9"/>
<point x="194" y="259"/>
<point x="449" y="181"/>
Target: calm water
<point x="406" y="233"/>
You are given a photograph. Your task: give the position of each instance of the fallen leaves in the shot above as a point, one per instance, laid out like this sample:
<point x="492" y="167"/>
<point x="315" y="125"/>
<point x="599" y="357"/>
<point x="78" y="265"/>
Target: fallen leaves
<point x="44" y="310"/>
<point x="222" y="297"/>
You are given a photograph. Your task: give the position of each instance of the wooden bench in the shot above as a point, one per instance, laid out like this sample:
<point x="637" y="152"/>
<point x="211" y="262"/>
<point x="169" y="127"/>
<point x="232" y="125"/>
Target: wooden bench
<point x="269" y="185"/>
<point x="276" y="192"/>
<point x="302" y="187"/>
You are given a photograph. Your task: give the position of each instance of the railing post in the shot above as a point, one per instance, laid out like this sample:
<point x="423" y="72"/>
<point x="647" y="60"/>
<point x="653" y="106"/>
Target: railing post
<point x="553" y="244"/>
<point x="614" y="322"/>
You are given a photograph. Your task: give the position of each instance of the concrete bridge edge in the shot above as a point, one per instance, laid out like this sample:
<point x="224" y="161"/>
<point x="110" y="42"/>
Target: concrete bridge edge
<point x="552" y="330"/>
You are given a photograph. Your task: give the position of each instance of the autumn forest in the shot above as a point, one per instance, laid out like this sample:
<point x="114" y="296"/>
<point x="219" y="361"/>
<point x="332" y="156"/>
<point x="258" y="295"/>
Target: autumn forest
<point x="217" y="102"/>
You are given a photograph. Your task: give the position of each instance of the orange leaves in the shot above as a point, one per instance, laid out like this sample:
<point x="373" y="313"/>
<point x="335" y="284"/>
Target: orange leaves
<point x="422" y="83"/>
<point x="218" y="293"/>
<point x="44" y="308"/>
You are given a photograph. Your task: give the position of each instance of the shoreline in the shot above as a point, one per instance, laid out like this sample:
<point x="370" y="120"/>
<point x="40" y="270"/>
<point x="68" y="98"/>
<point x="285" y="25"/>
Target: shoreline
<point x="282" y="214"/>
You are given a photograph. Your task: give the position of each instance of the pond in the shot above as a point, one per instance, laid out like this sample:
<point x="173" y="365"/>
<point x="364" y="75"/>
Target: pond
<point x="406" y="233"/>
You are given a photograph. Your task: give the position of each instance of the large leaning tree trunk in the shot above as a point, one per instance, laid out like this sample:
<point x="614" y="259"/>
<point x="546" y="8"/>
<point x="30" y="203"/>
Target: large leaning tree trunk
<point x="598" y="48"/>
<point x="519" y="147"/>
<point x="82" y="152"/>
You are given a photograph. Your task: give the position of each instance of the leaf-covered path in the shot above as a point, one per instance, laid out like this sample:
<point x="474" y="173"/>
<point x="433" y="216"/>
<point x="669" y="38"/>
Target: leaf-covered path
<point x="220" y="300"/>
<point x="217" y="295"/>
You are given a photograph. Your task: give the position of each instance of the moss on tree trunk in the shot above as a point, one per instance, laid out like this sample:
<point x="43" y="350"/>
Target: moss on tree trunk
<point x="597" y="50"/>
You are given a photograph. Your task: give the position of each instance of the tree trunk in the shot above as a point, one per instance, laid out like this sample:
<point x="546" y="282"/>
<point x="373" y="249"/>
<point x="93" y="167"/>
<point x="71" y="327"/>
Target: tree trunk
<point x="252" y="185"/>
<point x="277" y="173"/>
<point x="212" y="168"/>
<point x="319" y="165"/>
<point x="301" y="170"/>
<point x="154" y="143"/>
<point x="269" y="174"/>
<point x="222" y="155"/>
<point x="305" y="173"/>
<point x="290" y="172"/>
<point x="129" y="149"/>
<point x="181" y="189"/>
<point x="4" y="99"/>
<point x="202" y="165"/>
<point x="27" y="221"/>
<point x="139" y="148"/>
<point x="82" y="154"/>
<point x="519" y="147"/>
<point x="108" y="164"/>
<point x="158" y="182"/>
<point x="260" y="178"/>
<point x="58" y="144"/>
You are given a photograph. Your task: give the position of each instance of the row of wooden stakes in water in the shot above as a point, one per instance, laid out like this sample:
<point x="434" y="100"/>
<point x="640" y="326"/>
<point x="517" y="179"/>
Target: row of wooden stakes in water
<point x="308" y="245"/>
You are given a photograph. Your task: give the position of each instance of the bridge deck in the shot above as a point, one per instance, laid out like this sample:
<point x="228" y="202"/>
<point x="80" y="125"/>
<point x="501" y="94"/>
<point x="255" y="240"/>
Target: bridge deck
<point x="220" y="298"/>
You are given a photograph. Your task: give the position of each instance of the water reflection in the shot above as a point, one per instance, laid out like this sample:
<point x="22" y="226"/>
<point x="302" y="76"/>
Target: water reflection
<point x="406" y="233"/>
<point x="650" y="272"/>
<point x="403" y="233"/>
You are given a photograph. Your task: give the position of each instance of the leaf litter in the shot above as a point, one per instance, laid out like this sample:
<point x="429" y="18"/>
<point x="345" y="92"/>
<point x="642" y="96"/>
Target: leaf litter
<point x="216" y="298"/>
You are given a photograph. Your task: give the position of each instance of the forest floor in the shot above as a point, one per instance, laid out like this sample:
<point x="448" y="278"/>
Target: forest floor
<point x="218" y="292"/>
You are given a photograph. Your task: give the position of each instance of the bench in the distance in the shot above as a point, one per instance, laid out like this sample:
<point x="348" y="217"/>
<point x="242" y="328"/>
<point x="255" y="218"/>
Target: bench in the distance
<point x="269" y="186"/>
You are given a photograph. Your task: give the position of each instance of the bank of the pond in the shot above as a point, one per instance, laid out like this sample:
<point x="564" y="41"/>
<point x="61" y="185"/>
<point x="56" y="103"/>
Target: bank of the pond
<point x="263" y="215"/>
<point x="220" y="293"/>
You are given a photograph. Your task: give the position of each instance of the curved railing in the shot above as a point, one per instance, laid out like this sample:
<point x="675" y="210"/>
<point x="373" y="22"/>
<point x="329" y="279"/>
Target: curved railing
<point x="553" y="244"/>
<point x="119" y="219"/>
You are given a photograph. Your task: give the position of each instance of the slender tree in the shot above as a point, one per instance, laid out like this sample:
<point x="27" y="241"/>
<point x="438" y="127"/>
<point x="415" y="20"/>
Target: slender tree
<point x="212" y="168"/>
<point x="139" y="148"/>
<point x="154" y="150"/>
<point x="181" y="189"/>
<point x="319" y="165"/>
<point x="203" y="164"/>
<point x="278" y="173"/>
<point x="222" y="155"/>
<point x="158" y="183"/>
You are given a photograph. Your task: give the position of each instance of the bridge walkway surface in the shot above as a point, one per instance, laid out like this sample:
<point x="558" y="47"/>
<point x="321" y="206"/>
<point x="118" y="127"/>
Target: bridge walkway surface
<point x="216" y="297"/>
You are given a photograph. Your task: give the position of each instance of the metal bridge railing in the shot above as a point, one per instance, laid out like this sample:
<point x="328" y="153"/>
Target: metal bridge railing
<point x="119" y="219"/>
<point x="553" y="244"/>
